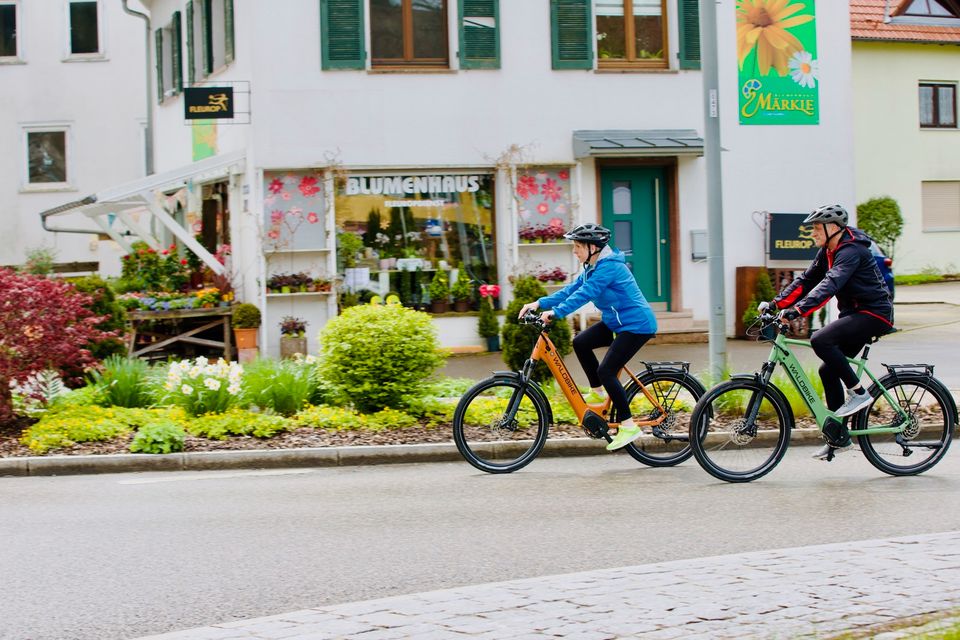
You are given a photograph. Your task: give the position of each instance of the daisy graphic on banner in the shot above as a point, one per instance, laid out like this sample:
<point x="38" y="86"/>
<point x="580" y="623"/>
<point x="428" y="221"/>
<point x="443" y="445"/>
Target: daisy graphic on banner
<point x="804" y="69"/>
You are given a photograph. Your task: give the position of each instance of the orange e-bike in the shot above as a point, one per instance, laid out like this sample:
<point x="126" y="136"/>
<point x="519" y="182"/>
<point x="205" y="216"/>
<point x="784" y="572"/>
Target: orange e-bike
<point x="501" y="423"/>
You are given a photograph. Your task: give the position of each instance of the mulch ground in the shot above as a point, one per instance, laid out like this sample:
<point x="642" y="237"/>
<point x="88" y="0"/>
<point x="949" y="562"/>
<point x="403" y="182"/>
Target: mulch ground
<point x="299" y="438"/>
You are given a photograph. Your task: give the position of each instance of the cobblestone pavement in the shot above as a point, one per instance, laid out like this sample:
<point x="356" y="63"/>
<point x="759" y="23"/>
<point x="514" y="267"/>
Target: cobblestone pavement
<point x="806" y="592"/>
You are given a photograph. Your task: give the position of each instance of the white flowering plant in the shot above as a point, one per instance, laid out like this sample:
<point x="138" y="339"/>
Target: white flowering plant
<point x="201" y="387"/>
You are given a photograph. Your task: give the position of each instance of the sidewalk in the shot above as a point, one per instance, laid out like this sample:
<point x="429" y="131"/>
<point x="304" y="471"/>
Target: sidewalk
<point x="868" y="588"/>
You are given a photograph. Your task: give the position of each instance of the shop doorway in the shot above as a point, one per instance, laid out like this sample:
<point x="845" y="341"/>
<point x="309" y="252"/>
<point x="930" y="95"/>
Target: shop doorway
<point x="634" y="205"/>
<point x="215" y="216"/>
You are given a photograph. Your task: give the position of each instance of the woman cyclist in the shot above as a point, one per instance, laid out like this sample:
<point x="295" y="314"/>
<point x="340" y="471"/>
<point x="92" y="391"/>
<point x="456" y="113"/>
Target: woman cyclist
<point x="845" y="268"/>
<point x="627" y="321"/>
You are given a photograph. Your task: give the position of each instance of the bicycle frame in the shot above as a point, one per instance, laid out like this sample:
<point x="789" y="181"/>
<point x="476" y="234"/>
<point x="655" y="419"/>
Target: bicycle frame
<point x="781" y="354"/>
<point x="545" y="351"/>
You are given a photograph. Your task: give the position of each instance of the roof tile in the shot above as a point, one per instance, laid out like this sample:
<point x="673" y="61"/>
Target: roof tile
<point x="866" y="23"/>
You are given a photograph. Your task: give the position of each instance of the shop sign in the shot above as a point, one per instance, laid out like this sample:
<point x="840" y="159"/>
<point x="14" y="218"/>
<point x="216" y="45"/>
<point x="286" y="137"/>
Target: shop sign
<point x="409" y="185"/>
<point x="204" y="103"/>
<point x="789" y="241"/>
<point x="778" y="65"/>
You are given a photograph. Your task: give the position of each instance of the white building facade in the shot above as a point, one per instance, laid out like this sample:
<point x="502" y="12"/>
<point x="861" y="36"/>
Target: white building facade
<point x="460" y="133"/>
<point x="62" y="134"/>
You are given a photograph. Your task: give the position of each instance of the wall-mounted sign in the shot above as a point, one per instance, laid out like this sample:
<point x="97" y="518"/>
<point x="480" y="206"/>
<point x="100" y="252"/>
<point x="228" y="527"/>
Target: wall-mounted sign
<point x="400" y="185"/>
<point x="206" y="103"/>
<point x="789" y="241"/>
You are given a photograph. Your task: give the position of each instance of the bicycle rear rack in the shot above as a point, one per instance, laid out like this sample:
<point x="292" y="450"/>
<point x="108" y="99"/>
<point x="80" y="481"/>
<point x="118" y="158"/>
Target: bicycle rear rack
<point x="667" y="364"/>
<point x="925" y="369"/>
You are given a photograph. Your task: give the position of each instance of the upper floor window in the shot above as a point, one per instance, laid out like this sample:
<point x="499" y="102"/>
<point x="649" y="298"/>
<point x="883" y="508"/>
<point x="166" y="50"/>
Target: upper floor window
<point x="940" y="205"/>
<point x="46" y="151"/>
<point x="938" y="105"/>
<point x="8" y="29"/>
<point x="169" y="58"/>
<point x="931" y="8"/>
<point x="217" y="34"/>
<point x="84" y="27"/>
<point x="408" y="32"/>
<point x="631" y="32"/>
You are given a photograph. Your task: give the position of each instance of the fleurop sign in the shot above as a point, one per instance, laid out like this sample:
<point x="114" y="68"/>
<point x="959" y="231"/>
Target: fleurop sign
<point x="205" y="103"/>
<point x="789" y="240"/>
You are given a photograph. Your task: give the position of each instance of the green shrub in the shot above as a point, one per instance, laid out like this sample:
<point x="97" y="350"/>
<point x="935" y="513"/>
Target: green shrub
<point x="440" y="287"/>
<point x="282" y="386"/>
<point x="334" y="418"/>
<point x="487" y="324"/>
<point x="159" y="437"/>
<point x="518" y="339"/>
<point x="104" y="303"/>
<point x="881" y="219"/>
<point x="236" y="422"/>
<point x="124" y="382"/>
<point x="762" y="291"/>
<point x="373" y="356"/>
<point x="245" y="316"/>
<point x="462" y="289"/>
<point x="69" y="426"/>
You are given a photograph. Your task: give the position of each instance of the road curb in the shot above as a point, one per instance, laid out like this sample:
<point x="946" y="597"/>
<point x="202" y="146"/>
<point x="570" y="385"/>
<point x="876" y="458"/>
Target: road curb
<point x="291" y="458"/>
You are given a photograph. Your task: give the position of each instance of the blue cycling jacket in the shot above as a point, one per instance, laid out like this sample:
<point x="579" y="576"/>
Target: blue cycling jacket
<point x="611" y="287"/>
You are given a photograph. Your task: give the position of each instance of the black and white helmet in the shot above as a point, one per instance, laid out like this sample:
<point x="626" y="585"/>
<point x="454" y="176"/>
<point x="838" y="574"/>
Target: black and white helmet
<point x="828" y="213"/>
<point x="589" y="233"/>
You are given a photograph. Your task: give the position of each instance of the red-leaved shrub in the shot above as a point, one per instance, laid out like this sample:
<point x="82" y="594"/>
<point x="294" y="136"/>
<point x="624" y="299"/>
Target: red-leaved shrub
<point x="44" y="324"/>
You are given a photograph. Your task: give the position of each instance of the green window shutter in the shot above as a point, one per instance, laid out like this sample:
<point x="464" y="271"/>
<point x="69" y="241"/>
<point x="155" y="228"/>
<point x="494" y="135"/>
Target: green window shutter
<point x="479" y="43"/>
<point x="206" y="37"/>
<point x="689" y="25"/>
<point x="571" y="33"/>
<point x="228" y="39"/>
<point x="191" y="71"/>
<point x="341" y="34"/>
<point x="158" y="38"/>
<point x="176" y="49"/>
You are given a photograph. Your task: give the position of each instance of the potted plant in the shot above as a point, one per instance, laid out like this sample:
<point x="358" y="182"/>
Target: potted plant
<point x="246" y="322"/>
<point x="487" y="326"/>
<point x="462" y="291"/>
<point x="293" y="338"/>
<point x="439" y="292"/>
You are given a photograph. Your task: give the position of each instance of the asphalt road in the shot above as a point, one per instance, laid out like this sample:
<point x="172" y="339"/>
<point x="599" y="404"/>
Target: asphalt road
<point x="121" y="556"/>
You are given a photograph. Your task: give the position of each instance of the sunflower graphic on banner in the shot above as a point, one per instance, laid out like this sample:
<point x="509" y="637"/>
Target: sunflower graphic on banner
<point x="777" y="56"/>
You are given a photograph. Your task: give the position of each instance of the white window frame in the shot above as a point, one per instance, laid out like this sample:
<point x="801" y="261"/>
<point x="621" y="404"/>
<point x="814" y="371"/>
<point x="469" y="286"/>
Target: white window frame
<point x="96" y="56"/>
<point x="47" y="127"/>
<point x="218" y="41"/>
<point x="17" y="57"/>
<point x="166" y="62"/>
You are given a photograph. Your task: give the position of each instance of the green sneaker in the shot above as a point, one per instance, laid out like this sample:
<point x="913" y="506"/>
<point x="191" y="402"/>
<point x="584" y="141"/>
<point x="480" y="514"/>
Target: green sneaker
<point x="625" y="435"/>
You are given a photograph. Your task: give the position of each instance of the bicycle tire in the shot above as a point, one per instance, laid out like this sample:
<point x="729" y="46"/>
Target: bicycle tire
<point x="658" y="446"/>
<point x="485" y="440"/>
<point x="929" y="429"/>
<point x="721" y="441"/>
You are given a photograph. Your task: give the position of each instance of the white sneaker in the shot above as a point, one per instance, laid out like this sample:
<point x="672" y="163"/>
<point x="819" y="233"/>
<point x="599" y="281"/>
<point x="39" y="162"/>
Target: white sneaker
<point x="855" y="402"/>
<point x="824" y="452"/>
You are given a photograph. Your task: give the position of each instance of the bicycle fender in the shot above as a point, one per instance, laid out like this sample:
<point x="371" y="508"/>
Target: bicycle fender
<point x="532" y="386"/>
<point x="774" y="391"/>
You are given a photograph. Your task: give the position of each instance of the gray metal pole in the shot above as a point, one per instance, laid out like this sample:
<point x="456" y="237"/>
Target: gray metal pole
<point x="148" y="134"/>
<point x="715" y="261"/>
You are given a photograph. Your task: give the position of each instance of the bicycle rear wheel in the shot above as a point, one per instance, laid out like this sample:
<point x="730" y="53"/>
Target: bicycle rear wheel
<point x="668" y="443"/>
<point x="927" y="431"/>
<point x="729" y="447"/>
<point x="491" y="436"/>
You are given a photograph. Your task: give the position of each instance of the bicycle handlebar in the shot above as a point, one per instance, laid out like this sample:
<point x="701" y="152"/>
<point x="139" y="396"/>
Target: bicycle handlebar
<point x="532" y="317"/>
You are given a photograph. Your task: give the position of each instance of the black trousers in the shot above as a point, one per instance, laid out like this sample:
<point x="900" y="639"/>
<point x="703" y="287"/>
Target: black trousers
<point x="837" y="341"/>
<point x="622" y="348"/>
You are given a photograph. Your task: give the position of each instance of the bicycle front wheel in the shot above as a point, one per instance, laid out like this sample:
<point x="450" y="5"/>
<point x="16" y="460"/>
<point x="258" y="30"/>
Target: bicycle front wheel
<point x="500" y="426"/>
<point x="727" y="443"/>
<point x="668" y="443"/>
<point x="927" y="429"/>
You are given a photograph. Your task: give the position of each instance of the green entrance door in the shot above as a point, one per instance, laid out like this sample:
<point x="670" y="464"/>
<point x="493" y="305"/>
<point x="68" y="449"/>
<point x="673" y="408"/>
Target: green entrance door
<point x="633" y="202"/>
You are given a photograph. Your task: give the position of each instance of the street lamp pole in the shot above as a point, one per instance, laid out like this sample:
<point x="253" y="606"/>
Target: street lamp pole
<point x="711" y="143"/>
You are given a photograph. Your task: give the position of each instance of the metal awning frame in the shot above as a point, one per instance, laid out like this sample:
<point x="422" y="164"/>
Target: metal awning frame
<point x="620" y="143"/>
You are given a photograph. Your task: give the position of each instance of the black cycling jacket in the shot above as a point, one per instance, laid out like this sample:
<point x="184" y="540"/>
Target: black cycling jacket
<point x="850" y="273"/>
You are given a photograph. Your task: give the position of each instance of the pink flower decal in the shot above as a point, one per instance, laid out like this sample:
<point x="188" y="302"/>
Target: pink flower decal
<point x="527" y="186"/>
<point x="276" y="186"/>
<point x="273" y="234"/>
<point x="308" y="186"/>
<point x="313" y="218"/>
<point x="276" y="216"/>
<point x="285" y="195"/>
<point x="564" y="175"/>
<point x="543" y="208"/>
<point x="556" y="222"/>
<point x="552" y="190"/>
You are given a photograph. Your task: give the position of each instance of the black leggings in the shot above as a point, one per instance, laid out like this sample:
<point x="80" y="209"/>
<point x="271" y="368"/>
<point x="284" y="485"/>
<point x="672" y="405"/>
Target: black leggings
<point x="836" y="342"/>
<point x="622" y="348"/>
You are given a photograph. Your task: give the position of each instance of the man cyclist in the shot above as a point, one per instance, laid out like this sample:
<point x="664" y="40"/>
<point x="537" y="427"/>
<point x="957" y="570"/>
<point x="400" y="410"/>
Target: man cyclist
<point x="626" y="322"/>
<point x="845" y="268"/>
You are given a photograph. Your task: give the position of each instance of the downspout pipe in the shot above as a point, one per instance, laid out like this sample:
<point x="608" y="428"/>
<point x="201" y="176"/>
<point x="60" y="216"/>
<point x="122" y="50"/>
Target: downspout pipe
<point x="149" y="81"/>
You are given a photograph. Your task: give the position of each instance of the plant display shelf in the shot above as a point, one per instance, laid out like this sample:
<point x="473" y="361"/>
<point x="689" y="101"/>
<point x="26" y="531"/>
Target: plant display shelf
<point x="188" y="324"/>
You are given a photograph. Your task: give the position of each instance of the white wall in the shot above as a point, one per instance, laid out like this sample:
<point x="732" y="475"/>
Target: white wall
<point x="102" y="101"/>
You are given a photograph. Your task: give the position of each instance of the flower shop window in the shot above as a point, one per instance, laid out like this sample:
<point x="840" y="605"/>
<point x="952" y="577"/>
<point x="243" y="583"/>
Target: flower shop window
<point x="409" y="33"/>
<point x="544" y="204"/>
<point x="631" y="33"/>
<point x="410" y="226"/>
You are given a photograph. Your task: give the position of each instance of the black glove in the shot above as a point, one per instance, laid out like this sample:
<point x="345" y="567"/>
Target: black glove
<point x="790" y="314"/>
<point x="765" y="306"/>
